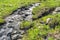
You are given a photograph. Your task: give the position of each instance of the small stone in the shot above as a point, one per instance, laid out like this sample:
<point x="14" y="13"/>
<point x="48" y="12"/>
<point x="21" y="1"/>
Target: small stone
<point x="14" y="32"/>
<point x="15" y="36"/>
<point x="22" y="32"/>
<point x="48" y="20"/>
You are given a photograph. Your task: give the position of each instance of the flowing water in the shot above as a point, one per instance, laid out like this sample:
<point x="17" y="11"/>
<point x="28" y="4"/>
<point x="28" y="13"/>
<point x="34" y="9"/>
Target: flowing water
<point x="10" y="30"/>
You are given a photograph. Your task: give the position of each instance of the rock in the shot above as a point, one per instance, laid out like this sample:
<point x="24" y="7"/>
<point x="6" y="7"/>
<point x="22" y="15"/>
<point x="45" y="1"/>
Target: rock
<point x="57" y="10"/>
<point x="28" y="18"/>
<point x="14" y="32"/>
<point x="22" y="32"/>
<point x="18" y="39"/>
<point x="16" y="36"/>
<point x="37" y="4"/>
<point x="28" y="12"/>
<point x="9" y="30"/>
<point x="24" y="8"/>
<point x="48" y="20"/>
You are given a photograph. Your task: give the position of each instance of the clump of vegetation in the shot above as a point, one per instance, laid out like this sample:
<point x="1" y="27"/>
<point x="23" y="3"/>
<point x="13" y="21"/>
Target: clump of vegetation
<point x="25" y="24"/>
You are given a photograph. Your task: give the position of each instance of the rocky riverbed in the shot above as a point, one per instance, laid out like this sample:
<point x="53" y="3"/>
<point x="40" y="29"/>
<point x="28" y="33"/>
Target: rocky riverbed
<point x="10" y="30"/>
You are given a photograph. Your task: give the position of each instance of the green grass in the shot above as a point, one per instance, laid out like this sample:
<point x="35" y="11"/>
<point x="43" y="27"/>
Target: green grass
<point x="43" y="29"/>
<point x="32" y="34"/>
<point x="25" y="24"/>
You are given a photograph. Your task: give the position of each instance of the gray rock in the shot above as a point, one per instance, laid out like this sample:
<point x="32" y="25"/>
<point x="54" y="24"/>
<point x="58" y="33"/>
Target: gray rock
<point x="28" y="18"/>
<point x="57" y="9"/>
<point x="48" y="20"/>
<point x="14" y="32"/>
<point x="22" y="32"/>
<point x="15" y="36"/>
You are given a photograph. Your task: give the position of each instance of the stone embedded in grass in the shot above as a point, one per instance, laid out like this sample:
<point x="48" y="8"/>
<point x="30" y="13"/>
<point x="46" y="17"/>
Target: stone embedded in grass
<point x="48" y="20"/>
<point x="53" y="23"/>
